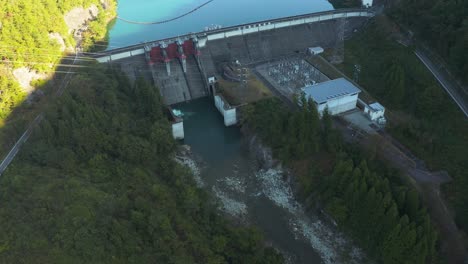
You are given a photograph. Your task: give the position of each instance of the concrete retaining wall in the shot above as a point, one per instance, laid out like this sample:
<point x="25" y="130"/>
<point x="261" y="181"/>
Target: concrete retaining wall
<point x="229" y="113"/>
<point x="178" y="130"/>
<point x="251" y="48"/>
<point x="121" y="55"/>
<point x="269" y="25"/>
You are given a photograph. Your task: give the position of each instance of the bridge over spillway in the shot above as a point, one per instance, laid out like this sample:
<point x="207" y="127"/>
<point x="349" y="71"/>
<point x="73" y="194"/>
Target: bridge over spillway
<point x="180" y="65"/>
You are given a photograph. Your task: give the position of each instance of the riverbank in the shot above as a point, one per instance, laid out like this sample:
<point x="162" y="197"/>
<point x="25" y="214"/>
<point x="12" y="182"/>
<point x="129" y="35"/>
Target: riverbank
<point x="357" y="190"/>
<point x="431" y="127"/>
<point x="254" y="189"/>
<point x="312" y="223"/>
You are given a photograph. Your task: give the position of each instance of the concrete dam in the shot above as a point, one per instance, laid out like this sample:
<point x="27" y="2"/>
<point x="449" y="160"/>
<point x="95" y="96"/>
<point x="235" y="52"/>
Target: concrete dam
<point x="180" y="66"/>
<point x="186" y="67"/>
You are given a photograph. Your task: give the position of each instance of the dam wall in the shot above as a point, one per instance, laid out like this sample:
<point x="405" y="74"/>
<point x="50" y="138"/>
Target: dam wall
<point x="266" y="45"/>
<point x="181" y="66"/>
<point x="239" y="30"/>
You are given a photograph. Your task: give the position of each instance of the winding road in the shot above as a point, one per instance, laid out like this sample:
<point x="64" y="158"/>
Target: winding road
<point x="444" y="80"/>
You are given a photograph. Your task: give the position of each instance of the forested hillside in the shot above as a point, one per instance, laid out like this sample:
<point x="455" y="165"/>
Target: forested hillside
<point x="443" y="25"/>
<point x="25" y="41"/>
<point x="422" y="115"/>
<point x="361" y="194"/>
<point x="96" y="183"/>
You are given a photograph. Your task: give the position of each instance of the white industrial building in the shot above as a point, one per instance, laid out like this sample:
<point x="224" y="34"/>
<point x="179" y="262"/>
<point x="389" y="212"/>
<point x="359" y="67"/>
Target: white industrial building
<point x="367" y="3"/>
<point x="337" y="95"/>
<point x="375" y="112"/>
<point x="315" y="50"/>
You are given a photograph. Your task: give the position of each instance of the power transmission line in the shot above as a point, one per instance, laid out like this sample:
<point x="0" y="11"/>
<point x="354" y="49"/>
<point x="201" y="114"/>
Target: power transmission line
<point x="167" y="20"/>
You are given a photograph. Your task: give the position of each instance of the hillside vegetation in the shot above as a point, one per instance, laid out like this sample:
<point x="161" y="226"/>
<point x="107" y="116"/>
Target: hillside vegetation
<point x="366" y="199"/>
<point x="24" y="39"/>
<point x="443" y="25"/>
<point x="423" y="116"/>
<point x="97" y="183"/>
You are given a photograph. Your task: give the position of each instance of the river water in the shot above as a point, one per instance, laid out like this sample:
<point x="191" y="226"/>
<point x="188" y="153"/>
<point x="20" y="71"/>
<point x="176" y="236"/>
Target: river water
<point x="257" y="196"/>
<point x="227" y="168"/>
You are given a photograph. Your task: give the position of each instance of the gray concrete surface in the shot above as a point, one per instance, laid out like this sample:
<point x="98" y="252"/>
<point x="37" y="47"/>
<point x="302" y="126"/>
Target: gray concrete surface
<point x="134" y="67"/>
<point x="248" y="49"/>
<point x="279" y="42"/>
<point x="173" y="87"/>
<point x="195" y="79"/>
<point x="288" y="76"/>
<point x="358" y="119"/>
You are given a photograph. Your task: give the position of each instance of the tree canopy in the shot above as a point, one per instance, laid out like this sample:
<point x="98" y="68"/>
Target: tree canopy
<point x="423" y="117"/>
<point x="97" y="183"/>
<point x="362" y="195"/>
<point x="25" y="42"/>
<point x="443" y="25"/>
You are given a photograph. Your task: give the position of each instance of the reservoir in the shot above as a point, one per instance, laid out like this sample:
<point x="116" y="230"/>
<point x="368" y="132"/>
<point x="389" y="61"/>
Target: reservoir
<point x="219" y="12"/>
<point x="227" y="169"/>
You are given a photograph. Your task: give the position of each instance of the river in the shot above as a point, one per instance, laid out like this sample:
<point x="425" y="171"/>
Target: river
<point x="227" y="169"/>
<point x="257" y="196"/>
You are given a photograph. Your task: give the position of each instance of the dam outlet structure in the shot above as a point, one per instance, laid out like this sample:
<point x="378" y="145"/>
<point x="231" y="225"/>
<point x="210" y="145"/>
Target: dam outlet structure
<point x="182" y="67"/>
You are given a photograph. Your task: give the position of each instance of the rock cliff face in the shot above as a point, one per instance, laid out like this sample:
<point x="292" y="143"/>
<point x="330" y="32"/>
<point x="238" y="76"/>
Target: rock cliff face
<point x="76" y="20"/>
<point x="262" y="154"/>
<point x="24" y="76"/>
<point x="79" y="16"/>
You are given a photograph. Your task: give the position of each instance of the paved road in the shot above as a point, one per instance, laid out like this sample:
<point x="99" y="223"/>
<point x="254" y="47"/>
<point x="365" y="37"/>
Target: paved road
<point x="444" y="81"/>
<point x="11" y="155"/>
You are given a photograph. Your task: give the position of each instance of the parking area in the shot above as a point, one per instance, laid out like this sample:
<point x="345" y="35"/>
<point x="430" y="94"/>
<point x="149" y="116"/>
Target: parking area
<point x="359" y="120"/>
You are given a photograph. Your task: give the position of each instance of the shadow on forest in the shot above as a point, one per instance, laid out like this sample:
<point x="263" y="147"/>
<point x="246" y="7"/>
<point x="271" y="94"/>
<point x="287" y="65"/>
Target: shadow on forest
<point x="45" y="93"/>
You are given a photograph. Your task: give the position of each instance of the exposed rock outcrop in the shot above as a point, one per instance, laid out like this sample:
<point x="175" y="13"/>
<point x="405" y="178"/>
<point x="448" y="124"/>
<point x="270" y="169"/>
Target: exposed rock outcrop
<point x="57" y="37"/>
<point x="78" y="16"/>
<point x="24" y="76"/>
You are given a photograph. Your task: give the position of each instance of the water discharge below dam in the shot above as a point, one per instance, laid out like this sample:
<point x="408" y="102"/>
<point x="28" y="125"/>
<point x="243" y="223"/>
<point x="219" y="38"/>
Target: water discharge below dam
<point x="257" y="196"/>
<point x="227" y="168"/>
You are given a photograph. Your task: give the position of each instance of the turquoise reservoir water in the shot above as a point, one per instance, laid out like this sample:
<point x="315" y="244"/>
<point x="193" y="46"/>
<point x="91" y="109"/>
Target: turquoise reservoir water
<point x="219" y="12"/>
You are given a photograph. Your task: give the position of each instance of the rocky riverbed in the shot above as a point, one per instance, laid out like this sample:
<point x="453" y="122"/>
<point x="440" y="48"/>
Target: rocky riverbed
<point x="261" y="192"/>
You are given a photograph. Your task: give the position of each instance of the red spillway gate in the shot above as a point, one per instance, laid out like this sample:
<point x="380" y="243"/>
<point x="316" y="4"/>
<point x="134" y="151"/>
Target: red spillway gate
<point x="156" y="55"/>
<point x="189" y="47"/>
<point x="171" y="51"/>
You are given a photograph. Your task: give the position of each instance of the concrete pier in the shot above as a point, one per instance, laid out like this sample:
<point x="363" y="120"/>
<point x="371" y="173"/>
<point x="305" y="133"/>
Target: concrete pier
<point x="228" y="112"/>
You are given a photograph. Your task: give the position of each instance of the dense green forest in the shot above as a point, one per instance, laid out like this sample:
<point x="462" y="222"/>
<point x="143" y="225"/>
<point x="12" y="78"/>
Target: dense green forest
<point x="422" y="116"/>
<point x="96" y="184"/>
<point x="361" y="194"/>
<point x="441" y="24"/>
<point x="24" y="39"/>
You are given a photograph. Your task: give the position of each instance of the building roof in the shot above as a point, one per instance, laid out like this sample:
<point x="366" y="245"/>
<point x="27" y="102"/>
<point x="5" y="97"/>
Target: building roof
<point x="317" y="49"/>
<point x="377" y="107"/>
<point x="329" y="90"/>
